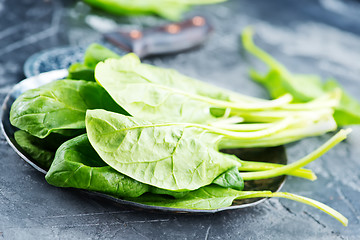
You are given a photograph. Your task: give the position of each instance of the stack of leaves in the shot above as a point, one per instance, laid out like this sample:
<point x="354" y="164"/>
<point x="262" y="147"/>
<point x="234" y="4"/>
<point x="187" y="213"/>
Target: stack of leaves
<point x="170" y="9"/>
<point x="152" y="135"/>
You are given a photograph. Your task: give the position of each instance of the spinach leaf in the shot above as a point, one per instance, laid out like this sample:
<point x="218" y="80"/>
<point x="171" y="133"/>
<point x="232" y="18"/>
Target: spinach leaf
<point x="206" y="198"/>
<point x="167" y="156"/>
<point x="59" y="106"/>
<point x="230" y="179"/>
<point x="170" y="9"/>
<point x="77" y="165"/>
<point x="304" y="88"/>
<point x="132" y="66"/>
<point x="278" y="82"/>
<point x="164" y="95"/>
<point x="94" y="53"/>
<point x="348" y="111"/>
<point x="41" y="150"/>
<point x="78" y="71"/>
<point x="173" y="194"/>
<point x="215" y="197"/>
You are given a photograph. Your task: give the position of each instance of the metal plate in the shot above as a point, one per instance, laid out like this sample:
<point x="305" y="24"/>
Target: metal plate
<point x="272" y="154"/>
<point x="59" y="58"/>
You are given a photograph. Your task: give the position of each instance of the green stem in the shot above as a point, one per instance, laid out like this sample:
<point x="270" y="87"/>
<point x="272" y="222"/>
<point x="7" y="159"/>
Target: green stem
<point x="341" y="135"/>
<point x="332" y="212"/>
<point x="277" y="127"/>
<point x="247" y="39"/>
<point x="262" y="166"/>
<point x="271" y="116"/>
<point x="280" y="138"/>
<point x="242" y="126"/>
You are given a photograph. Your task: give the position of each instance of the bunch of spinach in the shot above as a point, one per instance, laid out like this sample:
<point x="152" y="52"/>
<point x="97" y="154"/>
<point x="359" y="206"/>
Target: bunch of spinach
<point x="190" y="100"/>
<point x="163" y="165"/>
<point x="77" y="164"/>
<point x="164" y="95"/>
<point x="169" y="160"/>
<point x="170" y="9"/>
<point x="173" y="156"/>
<point x="304" y="88"/>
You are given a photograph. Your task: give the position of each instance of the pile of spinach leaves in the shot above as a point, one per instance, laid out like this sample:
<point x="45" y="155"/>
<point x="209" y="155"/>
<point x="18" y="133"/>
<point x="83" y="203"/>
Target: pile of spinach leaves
<point x="152" y="135"/>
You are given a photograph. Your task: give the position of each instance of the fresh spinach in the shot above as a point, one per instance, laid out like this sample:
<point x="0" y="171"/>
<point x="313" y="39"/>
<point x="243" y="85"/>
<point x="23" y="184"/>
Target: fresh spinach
<point x="304" y="88"/>
<point x="215" y="197"/>
<point x="156" y="94"/>
<point x="167" y="161"/>
<point x="177" y="156"/>
<point x="348" y="111"/>
<point x="166" y="156"/>
<point x="77" y="165"/>
<point x="170" y="9"/>
<point x="94" y="54"/>
<point x="78" y="71"/>
<point x="59" y="106"/>
<point x="41" y="150"/>
<point x="230" y="179"/>
<point x="164" y="95"/>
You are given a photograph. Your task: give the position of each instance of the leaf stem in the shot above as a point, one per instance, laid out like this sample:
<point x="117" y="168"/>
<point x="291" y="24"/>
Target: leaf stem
<point x="290" y="135"/>
<point x="332" y="212"/>
<point x="341" y="135"/>
<point x="247" y="39"/>
<point x="262" y="166"/>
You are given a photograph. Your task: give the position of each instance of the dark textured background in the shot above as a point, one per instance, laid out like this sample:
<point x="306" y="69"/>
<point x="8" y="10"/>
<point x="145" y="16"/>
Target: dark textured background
<point x="309" y="36"/>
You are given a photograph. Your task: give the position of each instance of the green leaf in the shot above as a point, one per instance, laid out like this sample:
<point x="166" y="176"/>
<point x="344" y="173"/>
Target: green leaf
<point x="279" y="80"/>
<point x="164" y="95"/>
<point x="348" y="111"/>
<point x="41" y="150"/>
<point x="58" y="106"/>
<point x="77" y="165"/>
<point x="303" y="88"/>
<point x="173" y="194"/>
<point x="80" y="72"/>
<point x="96" y="53"/>
<point x="142" y="90"/>
<point x="172" y="157"/>
<point x="230" y="179"/>
<point x="215" y="197"/>
<point x="205" y="198"/>
<point x="170" y="9"/>
<point x="279" y="83"/>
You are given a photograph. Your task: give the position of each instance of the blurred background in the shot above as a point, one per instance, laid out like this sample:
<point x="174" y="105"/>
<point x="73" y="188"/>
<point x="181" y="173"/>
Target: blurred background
<point x="311" y="36"/>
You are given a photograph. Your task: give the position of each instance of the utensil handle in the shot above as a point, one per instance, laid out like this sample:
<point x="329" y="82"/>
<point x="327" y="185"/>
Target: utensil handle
<point x="171" y="38"/>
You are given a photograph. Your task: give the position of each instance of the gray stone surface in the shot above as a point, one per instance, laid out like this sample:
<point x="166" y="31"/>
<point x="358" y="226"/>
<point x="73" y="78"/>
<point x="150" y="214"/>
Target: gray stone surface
<point x="309" y="36"/>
